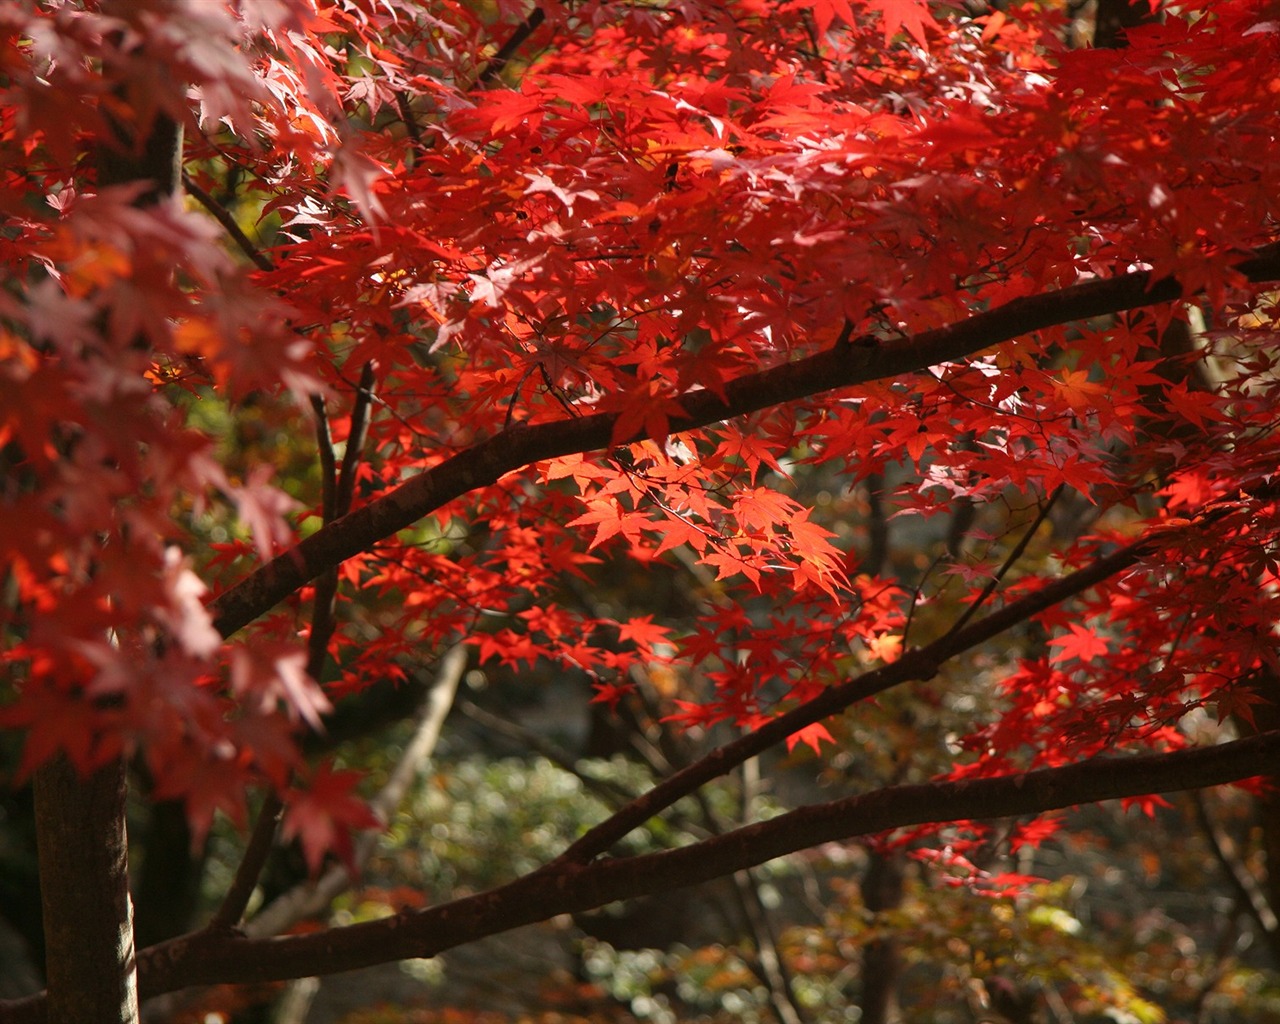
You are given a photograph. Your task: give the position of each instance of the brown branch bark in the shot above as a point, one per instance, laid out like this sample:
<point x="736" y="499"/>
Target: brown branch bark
<point x="221" y="957"/>
<point x="568" y="888"/>
<point x="917" y="665"/>
<point x="837" y="367"/>
<point x="495" y="65"/>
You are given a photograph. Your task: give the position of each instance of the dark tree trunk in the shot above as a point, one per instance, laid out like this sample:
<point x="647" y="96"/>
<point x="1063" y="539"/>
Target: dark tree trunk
<point x="881" y="959"/>
<point x="90" y="968"/>
<point x="168" y="881"/>
<point x="88" y="918"/>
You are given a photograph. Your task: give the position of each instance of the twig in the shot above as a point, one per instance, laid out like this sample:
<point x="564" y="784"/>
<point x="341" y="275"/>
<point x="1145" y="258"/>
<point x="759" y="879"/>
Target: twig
<point x="668" y="753"/>
<point x="773" y="970"/>
<point x="410" y="122"/>
<point x="328" y="467"/>
<point x="612" y="792"/>
<point x="1008" y="563"/>
<point x="917" y="595"/>
<point x="326" y="587"/>
<point x="877" y="527"/>
<point x="355" y="441"/>
<point x="230" y="912"/>
<point x="223" y="217"/>
<point x="494" y="66"/>
<point x="1240" y="878"/>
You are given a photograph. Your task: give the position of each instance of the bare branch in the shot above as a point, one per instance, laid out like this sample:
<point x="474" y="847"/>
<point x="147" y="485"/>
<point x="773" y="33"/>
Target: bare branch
<point x="494" y="66"/>
<point x="1248" y="891"/>
<point x="1009" y="561"/>
<point x="355" y="441"/>
<point x="261" y="840"/>
<point x="228" y="222"/>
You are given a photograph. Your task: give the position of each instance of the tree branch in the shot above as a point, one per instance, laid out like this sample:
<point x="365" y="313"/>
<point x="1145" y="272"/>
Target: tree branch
<point x="916" y="665"/>
<point x="226" y="958"/>
<point x="494" y="66"/>
<point x="206" y="958"/>
<point x="839" y="366"/>
<point x="256" y="851"/>
<point x="1249" y="893"/>
<point x="1010" y="561"/>
<point x="223" y="216"/>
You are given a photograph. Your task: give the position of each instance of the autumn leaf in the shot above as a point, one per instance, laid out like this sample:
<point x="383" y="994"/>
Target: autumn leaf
<point x="323" y="815"/>
<point x="812" y="736"/>
<point x="643" y="631"/>
<point x="1080" y="643"/>
<point x="1078" y="391"/>
<point x="911" y="16"/>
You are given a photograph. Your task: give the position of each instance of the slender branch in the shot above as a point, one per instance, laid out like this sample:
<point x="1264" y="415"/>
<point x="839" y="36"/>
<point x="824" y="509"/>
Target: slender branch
<point x="326" y="587"/>
<point x="407" y="118"/>
<point x="495" y="65"/>
<point x="772" y="968"/>
<point x="1248" y="891"/>
<point x="256" y="851"/>
<point x="839" y="366"/>
<point x="915" y="665"/>
<point x="328" y="465"/>
<point x="355" y="441"/>
<point x="311" y="898"/>
<point x="1009" y="562"/>
<point x="336" y="499"/>
<point x="228" y="222"/>
<point x="609" y="791"/>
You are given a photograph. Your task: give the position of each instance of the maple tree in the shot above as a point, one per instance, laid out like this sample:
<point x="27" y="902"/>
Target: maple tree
<point x="336" y="334"/>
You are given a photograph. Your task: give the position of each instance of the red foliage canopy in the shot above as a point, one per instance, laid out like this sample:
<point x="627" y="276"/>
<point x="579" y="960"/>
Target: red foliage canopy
<point x="606" y="275"/>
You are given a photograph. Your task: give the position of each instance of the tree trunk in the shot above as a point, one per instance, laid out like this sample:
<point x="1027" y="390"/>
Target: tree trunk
<point x="881" y="959"/>
<point x="90" y="968"/>
<point x="84" y="873"/>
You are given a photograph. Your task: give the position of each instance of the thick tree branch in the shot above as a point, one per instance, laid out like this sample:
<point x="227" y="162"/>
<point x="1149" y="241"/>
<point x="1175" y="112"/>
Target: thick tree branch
<point x="220" y="957"/>
<point x="837" y="367"/>
<point x="87" y="913"/>
<point x="206" y="958"/>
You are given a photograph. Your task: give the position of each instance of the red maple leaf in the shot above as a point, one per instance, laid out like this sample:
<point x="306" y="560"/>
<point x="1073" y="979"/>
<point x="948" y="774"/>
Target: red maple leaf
<point x="324" y="814"/>
<point x="910" y="15"/>
<point x="812" y="736"/>
<point x="1080" y="643"/>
